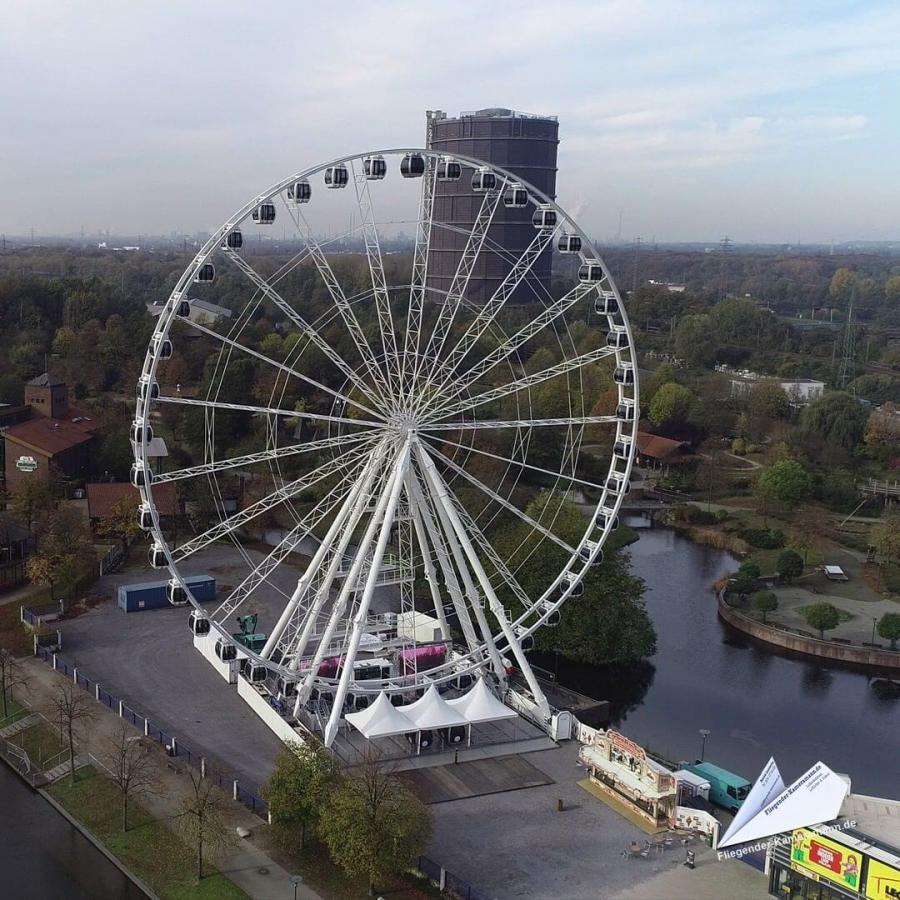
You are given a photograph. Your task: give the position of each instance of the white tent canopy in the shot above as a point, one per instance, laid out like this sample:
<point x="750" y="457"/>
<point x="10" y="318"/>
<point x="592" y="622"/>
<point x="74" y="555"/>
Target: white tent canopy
<point x="381" y="719"/>
<point x="478" y="704"/>
<point x="431" y="710"/>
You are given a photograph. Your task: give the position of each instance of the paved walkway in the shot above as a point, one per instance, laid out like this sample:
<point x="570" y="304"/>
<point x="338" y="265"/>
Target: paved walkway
<point x="710" y="880"/>
<point x="248" y="866"/>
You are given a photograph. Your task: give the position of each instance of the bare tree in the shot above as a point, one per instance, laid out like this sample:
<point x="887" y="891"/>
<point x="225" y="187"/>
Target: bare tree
<point x="12" y="675"/>
<point x="132" y="767"/>
<point x="72" y="709"/>
<point x="201" y="822"/>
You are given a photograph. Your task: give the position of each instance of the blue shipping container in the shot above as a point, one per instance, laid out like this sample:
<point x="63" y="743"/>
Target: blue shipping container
<point x="153" y="595"/>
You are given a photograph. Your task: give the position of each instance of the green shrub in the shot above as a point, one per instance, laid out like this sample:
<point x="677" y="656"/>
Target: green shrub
<point x="763" y="538"/>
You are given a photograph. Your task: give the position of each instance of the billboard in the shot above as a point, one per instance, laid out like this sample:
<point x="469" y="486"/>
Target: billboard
<point x="882" y="882"/>
<point x="824" y="858"/>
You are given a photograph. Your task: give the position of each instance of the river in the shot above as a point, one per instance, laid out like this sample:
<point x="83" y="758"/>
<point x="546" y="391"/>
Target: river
<point x="754" y="702"/>
<point x="42" y="855"/>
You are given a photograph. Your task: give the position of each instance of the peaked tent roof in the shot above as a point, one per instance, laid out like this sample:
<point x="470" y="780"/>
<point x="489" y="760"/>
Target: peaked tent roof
<point x="478" y="704"/>
<point x="431" y="710"/>
<point x="380" y="719"/>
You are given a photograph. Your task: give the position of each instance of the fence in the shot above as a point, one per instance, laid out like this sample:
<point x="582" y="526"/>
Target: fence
<point x="238" y="789"/>
<point x="448" y="882"/>
<point x="36" y="616"/>
<point x="112" y="560"/>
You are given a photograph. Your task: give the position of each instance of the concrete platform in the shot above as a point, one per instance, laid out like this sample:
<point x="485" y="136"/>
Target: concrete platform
<point x="441" y="784"/>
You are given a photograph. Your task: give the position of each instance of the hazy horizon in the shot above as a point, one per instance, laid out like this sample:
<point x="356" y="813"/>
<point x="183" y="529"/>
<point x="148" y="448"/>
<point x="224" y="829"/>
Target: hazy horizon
<point x="770" y="124"/>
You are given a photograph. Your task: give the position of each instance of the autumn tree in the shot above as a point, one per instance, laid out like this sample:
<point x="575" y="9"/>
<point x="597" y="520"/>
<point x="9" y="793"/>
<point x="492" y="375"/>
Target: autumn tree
<point x="889" y="628"/>
<point x="822" y="616"/>
<point x="883" y="428"/>
<point x="12" y="675"/>
<point x="835" y="420"/>
<point x="122" y="523"/>
<point x="31" y="501"/>
<point x="51" y="569"/>
<point x="375" y="827"/>
<point x="72" y="709"/>
<point x="885" y="537"/>
<point x="298" y="790"/>
<point x="201" y="821"/>
<point x="132" y="766"/>
<point x="812" y="527"/>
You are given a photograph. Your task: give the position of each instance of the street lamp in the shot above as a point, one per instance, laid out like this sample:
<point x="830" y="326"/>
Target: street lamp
<point x="704" y="734"/>
<point x="295" y="881"/>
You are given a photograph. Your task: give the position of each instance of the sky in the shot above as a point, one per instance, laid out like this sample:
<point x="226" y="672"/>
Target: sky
<point x="768" y="121"/>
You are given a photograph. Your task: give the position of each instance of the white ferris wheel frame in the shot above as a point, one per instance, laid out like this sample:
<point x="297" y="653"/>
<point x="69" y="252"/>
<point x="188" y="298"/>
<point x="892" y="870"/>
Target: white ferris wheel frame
<point x="441" y="518"/>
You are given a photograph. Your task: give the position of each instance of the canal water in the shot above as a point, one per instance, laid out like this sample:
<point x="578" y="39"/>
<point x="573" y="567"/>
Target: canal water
<point x="754" y="702"/>
<point x="43" y="856"/>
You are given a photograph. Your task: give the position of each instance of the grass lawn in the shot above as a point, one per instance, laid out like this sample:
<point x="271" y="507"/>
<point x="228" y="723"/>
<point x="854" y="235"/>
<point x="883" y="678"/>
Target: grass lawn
<point x="13" y="635"/>
<point x="41" y="742"/>
<point x="148" y="848"/>
<point x="843" y="615"/>
<point x="14" y="712"/>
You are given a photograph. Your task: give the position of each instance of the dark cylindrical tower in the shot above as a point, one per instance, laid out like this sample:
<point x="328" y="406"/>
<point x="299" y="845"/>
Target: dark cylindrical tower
<point x="521" y="143"/>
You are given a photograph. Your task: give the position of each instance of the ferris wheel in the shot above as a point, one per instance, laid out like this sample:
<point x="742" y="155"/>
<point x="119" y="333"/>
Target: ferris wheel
<point x="401" y="434"/>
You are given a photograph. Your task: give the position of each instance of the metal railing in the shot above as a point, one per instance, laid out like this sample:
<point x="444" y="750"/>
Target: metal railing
<point x="449" y="884"/>
<point x="240" y="789"/>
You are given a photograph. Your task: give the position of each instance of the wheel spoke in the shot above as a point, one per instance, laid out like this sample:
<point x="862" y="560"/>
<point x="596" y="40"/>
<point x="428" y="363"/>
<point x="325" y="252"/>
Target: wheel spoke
<point x="519" y="423"/>
<point x="502" y="501"/>
<point x="458" y="287"/>
<point x="512" y="344"/>
<point x="515" y="462"/>
<point x="526" y="381"/>
<point x="488" y="313"/>
<point x="276" y="498"/>
<point x="417" y="282"/>
<point x="268" y="410"/>
<point x="284" y="368"/>
<point x="305" y="527"/>
<point x="464" y="533"/>
<point x="305" y="328"/>
<point x="249" y="459"/>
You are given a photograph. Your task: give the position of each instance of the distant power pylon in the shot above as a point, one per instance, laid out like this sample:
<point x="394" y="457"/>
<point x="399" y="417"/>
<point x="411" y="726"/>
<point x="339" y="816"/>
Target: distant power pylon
<point x="725" y="249"/>
<point x="634" y="278"/>
<point x="847" y="369"/>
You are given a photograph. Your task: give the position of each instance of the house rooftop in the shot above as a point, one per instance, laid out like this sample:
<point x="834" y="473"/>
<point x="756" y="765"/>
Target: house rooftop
<point x="46" y="380"/>
<point x="656" y="446"/>
<point x="102" y="497"/>
<point x="52" y="436"/>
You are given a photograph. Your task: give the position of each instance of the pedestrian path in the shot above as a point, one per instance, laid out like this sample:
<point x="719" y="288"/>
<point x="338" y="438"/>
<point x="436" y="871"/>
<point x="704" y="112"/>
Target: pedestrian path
<point x="19" y="725"/>
<point x="64" y="768"/>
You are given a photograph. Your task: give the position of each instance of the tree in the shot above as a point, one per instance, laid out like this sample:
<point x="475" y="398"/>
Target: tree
<point x="823" y="616"/>
<point x="31" y="500"/>
<point x="72" y="709"/>
<point x="785" y="481"/>
<point x="741" y="583"/>
<point x="375" y="827"/>
<point x="768" y="400"/>
<point x="883" y="427"/>
<point x="298" y="790"/>
<point x="885" y="537"/>
<point x="790" y="565"/>
<point x="51" y="569"/>
<point x="12" y="675"/>
<point x="835" y="419"/>
<point x="122" y="523"/>
<point x="694" y="341"/>
<point x="811" y="528"/>
<point x="750" y="568"/>
<point x="671" y="405"/>
<point x="842" y="283"/>
<point x="765" y="602"/>
<point x="889" y="628"/>
<point x="201" y="821"/>
<point x="132" y="766"/>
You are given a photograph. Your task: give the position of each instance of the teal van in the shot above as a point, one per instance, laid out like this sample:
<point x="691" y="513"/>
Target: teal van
<point x="725" y="788"/>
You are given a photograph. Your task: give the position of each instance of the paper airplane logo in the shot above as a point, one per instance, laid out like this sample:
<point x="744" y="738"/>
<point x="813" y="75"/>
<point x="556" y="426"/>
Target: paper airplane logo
<point x="770" y="808"/>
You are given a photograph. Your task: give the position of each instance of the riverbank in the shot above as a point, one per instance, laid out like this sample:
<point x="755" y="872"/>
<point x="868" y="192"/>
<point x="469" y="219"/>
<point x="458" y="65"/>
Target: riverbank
<point x="880" y="661"/>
